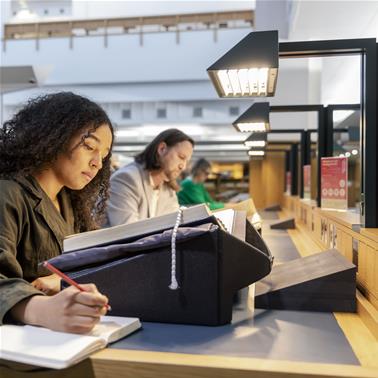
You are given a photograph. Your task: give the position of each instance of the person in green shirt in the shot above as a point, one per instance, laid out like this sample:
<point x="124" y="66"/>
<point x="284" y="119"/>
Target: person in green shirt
<point x="193" y="191"/>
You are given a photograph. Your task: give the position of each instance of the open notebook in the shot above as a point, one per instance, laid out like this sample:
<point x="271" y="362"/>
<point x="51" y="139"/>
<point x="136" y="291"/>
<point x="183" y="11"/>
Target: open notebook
<point x="192" y="215"/>
<point x="58" y="350"/>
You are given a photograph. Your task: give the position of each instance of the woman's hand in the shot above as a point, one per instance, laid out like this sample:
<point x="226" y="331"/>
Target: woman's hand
<point x="50" y="285"/>
<point x="70" y="310"/>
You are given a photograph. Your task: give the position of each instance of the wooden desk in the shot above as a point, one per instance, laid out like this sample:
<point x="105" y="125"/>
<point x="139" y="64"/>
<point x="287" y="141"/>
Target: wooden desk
<point x="145" y="364"/>
<point x="371" y="233"/>
<point x="346" y="218"/>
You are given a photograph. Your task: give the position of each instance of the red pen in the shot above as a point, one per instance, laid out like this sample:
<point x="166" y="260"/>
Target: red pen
<point x="67" y="279"/>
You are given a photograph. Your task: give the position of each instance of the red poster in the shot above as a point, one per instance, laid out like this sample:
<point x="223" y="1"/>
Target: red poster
<point x="334" y="183"/>
<point x="307" y="181"/>
<point x="288" y="182"/>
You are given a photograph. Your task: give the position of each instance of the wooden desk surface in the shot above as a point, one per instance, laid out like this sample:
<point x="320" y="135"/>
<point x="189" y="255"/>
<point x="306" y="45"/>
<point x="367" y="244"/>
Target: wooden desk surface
<point x="350" y="219"/>
<point x="347" y="218"/>
<point x="308" y="202"/>
<point x="371" y="233"/>
<point x="145" y="364"/>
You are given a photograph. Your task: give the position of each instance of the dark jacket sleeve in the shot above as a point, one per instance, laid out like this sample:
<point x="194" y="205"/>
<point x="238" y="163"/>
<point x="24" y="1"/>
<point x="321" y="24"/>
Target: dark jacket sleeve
<point x="13" y="288"/>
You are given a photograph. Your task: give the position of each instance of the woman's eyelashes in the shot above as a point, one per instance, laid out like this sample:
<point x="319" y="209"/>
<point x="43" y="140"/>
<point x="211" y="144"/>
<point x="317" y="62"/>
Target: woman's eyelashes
<point x="88" y="147"/>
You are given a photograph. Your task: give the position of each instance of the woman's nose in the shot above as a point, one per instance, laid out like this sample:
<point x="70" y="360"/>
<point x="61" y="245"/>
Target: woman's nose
<point x="96" y="162"/>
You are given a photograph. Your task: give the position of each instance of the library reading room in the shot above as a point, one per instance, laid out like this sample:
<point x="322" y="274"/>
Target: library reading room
<point x="188" y="188"/>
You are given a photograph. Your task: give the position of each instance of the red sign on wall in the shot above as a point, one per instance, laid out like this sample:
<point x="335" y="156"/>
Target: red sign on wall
<point x="334" y="183"/>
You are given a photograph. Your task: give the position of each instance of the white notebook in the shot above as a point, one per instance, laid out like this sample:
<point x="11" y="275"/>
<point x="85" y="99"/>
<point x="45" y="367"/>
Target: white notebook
<point x="58" y="350"/>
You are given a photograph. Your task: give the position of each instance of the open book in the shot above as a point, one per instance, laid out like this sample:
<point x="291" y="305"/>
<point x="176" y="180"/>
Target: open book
<point x="58" y="350"/>
<point x="191" y="215"/>
<point x="249" y="207"/>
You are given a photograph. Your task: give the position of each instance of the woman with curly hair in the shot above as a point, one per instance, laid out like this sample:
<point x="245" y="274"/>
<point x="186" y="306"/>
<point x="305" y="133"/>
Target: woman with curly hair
<point x="54" y="176"/>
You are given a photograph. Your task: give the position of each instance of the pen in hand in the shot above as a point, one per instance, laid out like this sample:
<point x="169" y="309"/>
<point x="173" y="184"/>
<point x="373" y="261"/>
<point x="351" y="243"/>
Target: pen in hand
<point x="67" y="279"/>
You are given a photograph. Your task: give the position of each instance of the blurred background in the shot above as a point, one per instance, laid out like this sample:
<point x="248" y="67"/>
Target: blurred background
<point x="145" y="62"/>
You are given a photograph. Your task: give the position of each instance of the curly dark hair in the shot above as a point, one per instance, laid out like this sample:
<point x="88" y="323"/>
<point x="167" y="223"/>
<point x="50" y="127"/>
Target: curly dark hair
<point x="42" y="130"/>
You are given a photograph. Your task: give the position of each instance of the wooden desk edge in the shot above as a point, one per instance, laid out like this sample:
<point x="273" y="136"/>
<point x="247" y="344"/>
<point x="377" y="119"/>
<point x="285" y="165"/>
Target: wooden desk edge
<point x="146" y="364"/>
<point x="177" y="364"/>
<point x="371" y="233"/>
<point x="346" y="218"/>
<point x="368" y="314"/>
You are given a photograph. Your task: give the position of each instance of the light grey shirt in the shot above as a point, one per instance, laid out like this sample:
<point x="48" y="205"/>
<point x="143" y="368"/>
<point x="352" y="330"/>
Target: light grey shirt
<point x="131" y="194"/>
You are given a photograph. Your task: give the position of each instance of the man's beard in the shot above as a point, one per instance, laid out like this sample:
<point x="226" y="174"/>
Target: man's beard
<point x="171" y="175"/>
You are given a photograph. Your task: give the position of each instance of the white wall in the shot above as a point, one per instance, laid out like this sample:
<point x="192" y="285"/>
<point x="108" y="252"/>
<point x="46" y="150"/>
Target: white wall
<point x="125" y="60"/>
<point x="109" y="8"/>
<point x="163" y="72"/>
<point x="340" y="77"/>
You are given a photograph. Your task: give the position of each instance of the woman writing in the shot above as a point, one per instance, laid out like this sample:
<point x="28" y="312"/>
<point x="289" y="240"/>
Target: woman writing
<point x="54" y="173"/>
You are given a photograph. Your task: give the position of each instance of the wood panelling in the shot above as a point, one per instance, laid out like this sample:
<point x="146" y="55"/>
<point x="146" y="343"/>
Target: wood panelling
<point x="256" y="189"/>
<point x="336" y="229"/>
<point x="266" y="179"/>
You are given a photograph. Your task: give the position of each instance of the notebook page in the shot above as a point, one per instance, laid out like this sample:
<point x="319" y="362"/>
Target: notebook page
<point x="43" y="347"/>
<point x="113" y="328"/>
<point x="227" y="218"/>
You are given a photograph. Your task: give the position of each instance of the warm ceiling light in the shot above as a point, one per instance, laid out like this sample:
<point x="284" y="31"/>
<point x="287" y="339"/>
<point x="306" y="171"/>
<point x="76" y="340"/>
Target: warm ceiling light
<point x="255" y="143"/>
<point x="256" y="153"/>
<point x="249" y="69"/>
<point x="256" y="140"/>
<point x="254" y="119"/>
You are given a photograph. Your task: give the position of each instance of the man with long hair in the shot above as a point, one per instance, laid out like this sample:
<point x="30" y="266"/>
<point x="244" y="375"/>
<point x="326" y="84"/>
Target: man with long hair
<point x="147" y="187"/>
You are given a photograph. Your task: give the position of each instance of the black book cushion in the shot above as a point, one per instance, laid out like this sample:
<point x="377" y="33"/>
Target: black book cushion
<point x="211" y="266"/>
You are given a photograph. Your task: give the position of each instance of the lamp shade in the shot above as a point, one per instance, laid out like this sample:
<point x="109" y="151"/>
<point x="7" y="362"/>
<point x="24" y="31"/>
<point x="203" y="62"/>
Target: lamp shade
<point x="256" y="153"/>
<point x="15" y="78"/>
<point x="256" y="140"/>
<point x="249" y="69"/>
<point x="254" y="119"/>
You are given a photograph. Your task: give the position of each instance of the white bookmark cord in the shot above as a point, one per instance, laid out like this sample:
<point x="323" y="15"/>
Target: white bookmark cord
<point x="174" y="284"/>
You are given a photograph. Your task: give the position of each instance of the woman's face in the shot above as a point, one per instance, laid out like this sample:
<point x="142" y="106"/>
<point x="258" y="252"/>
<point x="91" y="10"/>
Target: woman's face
<point x="86" y="152"/>
<point x="203" y="175"/>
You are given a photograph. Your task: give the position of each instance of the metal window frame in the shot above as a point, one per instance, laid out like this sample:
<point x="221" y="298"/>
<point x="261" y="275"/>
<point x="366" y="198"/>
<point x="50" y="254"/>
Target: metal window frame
<point x="367" y="49"/>
<point x="330" y="109"/>
<point x="305" y="145"/>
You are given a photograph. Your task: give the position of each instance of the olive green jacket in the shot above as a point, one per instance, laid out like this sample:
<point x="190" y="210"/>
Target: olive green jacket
<point x="31" y="231"/>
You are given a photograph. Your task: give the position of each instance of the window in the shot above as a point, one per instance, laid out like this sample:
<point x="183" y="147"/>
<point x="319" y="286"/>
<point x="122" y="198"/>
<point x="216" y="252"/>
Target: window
<point x="161" y="113"/>
<point x="197" y="112"/>
<point x="126" y="113"/>
<point x="233" y="110"/>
